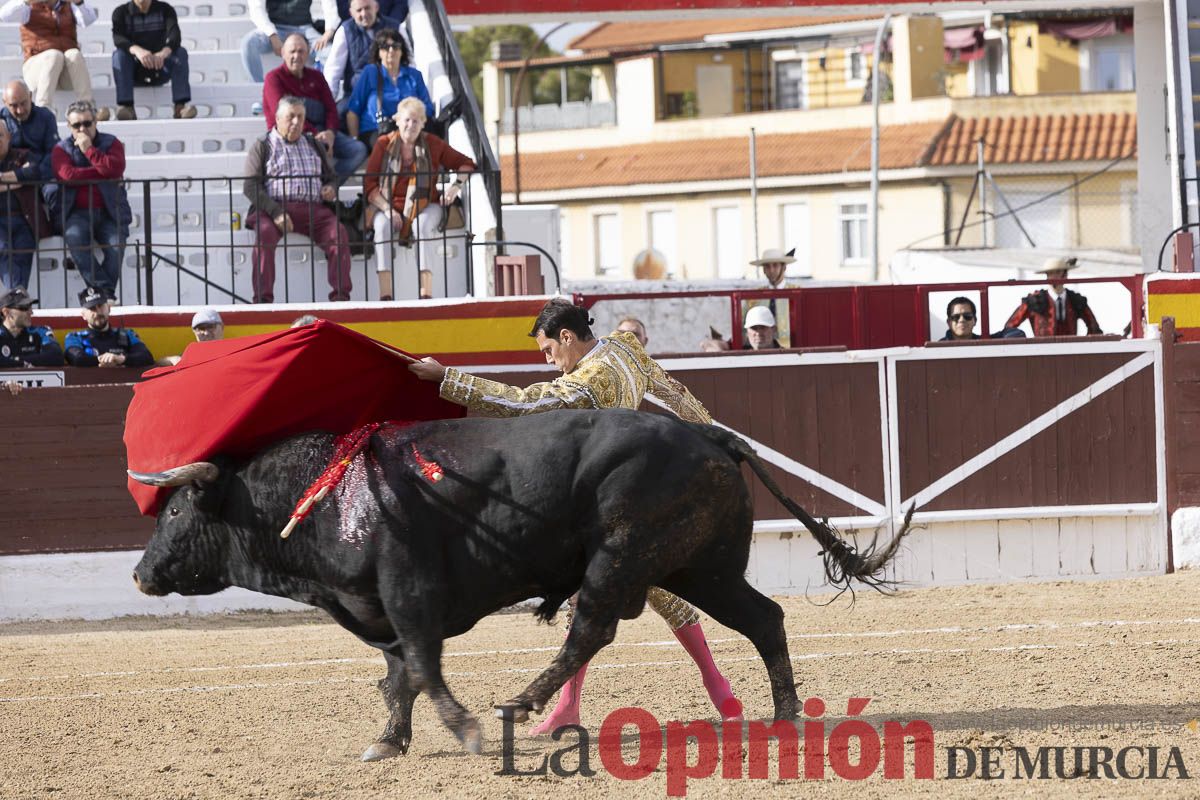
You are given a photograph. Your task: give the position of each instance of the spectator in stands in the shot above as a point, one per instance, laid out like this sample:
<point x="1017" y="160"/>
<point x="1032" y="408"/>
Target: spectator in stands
<point x="148" y="53"/>
<point x="636" y="327"/>
<point x="1055" y="311"/>
<point x="274" y="21"/>
<point x="22" y="344"/>
<point x="350" y="50"/>
<point x="100" y="344"/>
<point x="33" y="128"/>
<point x="50" y="45"/>
<point x="288" y="175"/>
<point x="92" y="205"/>
<point x="301" y="321"/>
<point x="23" y="219"/>
<point x="390" y="79"/>
<point x="396" y="9"/>
<point x="294" y="79"/>
<point x="760" y="329"/>
<point x="960" y="320"/>
<point x="393" y="210"/>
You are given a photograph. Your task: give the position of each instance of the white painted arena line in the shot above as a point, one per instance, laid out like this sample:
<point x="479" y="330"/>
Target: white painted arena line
<point x="889" y="653"/>
<point x="951" y="630"/>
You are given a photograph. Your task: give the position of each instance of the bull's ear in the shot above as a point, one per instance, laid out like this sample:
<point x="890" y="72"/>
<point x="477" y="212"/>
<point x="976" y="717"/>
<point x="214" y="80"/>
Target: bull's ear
<point x="199" y="473"/>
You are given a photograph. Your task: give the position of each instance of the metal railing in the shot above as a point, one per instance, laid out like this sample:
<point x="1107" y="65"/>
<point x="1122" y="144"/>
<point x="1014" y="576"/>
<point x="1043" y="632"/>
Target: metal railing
<point x="197" y="241"/>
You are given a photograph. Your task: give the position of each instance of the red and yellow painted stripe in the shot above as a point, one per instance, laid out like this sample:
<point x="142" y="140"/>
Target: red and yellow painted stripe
<point x="460" y="333"/>
<point x="1177" y="297"/>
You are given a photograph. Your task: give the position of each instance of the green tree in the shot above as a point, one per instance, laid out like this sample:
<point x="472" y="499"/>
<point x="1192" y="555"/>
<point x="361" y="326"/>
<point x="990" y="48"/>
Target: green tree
<point x="475" y="45"/>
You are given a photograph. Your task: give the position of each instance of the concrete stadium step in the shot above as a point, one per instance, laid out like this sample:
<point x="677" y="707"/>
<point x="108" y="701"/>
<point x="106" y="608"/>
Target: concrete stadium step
<point x="183" y="136"/>
<point x="205" y="67"/>
<point x="154" y="102"/>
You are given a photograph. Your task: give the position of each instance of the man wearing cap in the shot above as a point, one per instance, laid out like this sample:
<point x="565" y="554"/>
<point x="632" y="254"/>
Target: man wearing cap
<point x="100" y="344"/>
<point x="774" y="264"/>
<point x="760" y="330"/>
<point x="207" y="325"/>
<point x="22" y="344"/>
<point x="1058" y="310"/>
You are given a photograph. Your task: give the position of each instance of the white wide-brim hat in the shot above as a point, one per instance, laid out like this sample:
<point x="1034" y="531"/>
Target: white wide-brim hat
<point x="774" y="256"/>
<point x="1059" y="264"/>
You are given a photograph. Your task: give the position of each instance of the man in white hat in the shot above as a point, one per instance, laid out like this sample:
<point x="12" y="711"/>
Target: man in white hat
<point x="1056" y="310"/>
<point x="774" y="264"/>
<point x="760" y="329"/>
<point x="207" y="325"/>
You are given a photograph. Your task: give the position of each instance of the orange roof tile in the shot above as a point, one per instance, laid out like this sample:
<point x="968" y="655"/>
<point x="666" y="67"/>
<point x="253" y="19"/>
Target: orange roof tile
<point x="949" y="142"/>
<point x="1031" y="140"/>
<point x="809" y="153"/>
<point x="618" y="35"/>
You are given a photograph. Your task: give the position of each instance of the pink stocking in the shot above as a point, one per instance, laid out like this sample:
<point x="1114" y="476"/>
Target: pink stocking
<point x="566" y="712"/>
<point x="692" y="639"/>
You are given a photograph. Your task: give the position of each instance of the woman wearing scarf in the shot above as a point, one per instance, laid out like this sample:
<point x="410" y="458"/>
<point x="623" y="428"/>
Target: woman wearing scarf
<point x="404" y="204"/>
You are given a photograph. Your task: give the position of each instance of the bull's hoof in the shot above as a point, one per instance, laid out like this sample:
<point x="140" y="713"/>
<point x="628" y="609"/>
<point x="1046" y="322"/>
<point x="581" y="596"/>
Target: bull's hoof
<point x="472" y="738"/>
<point x="381" y="750"/>
<point x="512" y="712"/>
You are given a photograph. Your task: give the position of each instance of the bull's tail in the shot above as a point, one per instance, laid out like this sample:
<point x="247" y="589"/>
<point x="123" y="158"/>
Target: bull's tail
<point x="842" y="562"/>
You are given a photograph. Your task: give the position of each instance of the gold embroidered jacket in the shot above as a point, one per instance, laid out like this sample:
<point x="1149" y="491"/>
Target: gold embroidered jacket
<point x="616" y="373"/>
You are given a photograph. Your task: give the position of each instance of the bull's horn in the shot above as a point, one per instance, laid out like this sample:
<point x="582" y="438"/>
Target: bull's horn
<point x="202" y="471"/>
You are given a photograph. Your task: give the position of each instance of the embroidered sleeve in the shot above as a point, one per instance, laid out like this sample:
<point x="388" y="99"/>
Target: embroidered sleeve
<point x="495" y="399"/>
<point x="677" y="397"/>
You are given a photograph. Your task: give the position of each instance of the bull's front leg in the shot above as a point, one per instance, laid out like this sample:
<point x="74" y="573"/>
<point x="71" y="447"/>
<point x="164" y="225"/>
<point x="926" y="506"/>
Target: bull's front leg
<point x="399" y="696"/>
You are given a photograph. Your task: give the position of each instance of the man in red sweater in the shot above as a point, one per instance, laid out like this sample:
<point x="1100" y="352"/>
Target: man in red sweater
<point x="293" y="78"/>
<point x="92" y="208"/>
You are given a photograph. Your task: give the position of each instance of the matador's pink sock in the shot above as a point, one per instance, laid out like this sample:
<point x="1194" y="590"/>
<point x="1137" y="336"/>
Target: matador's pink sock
<point x="566" y="711"/>
<point x="692" y="639"/>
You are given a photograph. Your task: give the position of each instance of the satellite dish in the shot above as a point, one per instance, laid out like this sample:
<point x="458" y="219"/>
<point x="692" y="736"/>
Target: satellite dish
<point x="650" y="265"/>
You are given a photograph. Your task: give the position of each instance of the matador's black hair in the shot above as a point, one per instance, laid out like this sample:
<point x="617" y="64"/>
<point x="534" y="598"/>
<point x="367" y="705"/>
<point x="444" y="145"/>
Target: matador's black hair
<point x="561" y="313"/>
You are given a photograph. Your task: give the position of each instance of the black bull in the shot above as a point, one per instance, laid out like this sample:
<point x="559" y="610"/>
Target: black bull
<point x="606" y="503"/>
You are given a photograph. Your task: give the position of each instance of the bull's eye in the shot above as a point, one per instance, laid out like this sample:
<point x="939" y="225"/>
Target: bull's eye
<point x="174" y="512"/>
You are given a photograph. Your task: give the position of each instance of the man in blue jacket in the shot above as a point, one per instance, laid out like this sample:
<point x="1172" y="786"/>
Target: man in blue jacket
<point x="350" y="49"/>
<point x="33" y="128"/>
<point x="92" y="207"/>
<point x="23" y="344"/>
<point x="100" y="344"/>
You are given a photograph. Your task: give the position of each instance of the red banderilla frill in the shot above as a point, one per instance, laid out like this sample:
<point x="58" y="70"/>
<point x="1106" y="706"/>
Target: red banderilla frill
<point x="345" y="448"/>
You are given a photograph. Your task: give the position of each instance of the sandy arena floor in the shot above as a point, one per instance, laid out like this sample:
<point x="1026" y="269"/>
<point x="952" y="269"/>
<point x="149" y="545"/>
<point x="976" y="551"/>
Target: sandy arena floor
<point x="281" y="706"/>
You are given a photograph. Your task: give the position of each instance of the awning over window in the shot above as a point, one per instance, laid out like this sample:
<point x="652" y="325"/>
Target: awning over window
<point x="1084" y="29"/>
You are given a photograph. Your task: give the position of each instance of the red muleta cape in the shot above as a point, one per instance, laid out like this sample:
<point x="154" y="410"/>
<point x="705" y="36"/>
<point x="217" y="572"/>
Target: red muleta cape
<point x="237" y="396"/>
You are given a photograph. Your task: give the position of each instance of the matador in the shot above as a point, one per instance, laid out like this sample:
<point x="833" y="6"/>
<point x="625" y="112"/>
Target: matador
<point x="608" y="372"/>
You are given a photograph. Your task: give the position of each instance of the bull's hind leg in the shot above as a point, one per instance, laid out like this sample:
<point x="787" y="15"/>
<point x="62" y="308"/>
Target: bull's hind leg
<point x="736" y="604"/>
<point x="597" y="612"/>
<point x="398" y="695"/>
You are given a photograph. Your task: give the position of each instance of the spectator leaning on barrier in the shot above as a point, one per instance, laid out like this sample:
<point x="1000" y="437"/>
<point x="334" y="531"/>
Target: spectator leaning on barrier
<point x="350" y="51"/>
<point x="92" y="206"/>
<point x="760" y="329"/>
<point x="23" y="219"/>
<point x="148" y="53"/>
<point x="294" y="79"/>
<point x="288" y="176"/>
<point x="22" y="344"/>
<point x="402" y="195"/>
<point x="1056" y="311"/>
<point x="636" y="327"/>
<point x="50" y="45"/>
<point x="274" y="21"/>
<point x="960" y="320"/>
<point x="207" y="325"/>
<point x="388" y="78"/>
<point x="100" y="344"/>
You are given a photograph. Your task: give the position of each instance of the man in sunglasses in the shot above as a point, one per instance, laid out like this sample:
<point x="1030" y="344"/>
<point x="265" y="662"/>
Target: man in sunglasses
<point x="92" y="207"/>
<point x="960" y="320"/>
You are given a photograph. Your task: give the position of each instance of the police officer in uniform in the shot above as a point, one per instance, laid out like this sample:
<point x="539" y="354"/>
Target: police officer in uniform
<point x="23" y="345"/>
<point x="100" y="344"/>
